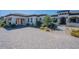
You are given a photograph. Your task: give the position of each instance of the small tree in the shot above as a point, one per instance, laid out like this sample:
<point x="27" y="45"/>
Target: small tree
<point x="47" y="21"/>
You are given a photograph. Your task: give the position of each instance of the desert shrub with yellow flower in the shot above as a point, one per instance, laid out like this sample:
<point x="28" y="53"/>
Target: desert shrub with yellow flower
<point x="75" y="32"/>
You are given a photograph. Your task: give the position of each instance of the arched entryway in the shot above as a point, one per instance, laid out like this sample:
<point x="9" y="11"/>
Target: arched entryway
<point x="62" y="21"/>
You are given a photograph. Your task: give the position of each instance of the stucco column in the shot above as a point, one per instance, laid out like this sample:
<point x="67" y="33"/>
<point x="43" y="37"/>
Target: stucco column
<point x="67" y="20"/>
<point x="13" y="21"/>
<point x="6" y="19"/>
<point x="7" y="22"/>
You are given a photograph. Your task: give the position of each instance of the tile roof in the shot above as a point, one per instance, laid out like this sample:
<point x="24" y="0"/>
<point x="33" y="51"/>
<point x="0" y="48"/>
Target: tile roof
<point x="23" y="15"/>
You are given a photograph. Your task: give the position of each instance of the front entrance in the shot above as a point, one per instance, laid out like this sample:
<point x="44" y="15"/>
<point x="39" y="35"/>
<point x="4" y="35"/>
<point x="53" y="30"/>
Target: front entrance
<point x="19" y="21"/>
<point x="62" y="21"/>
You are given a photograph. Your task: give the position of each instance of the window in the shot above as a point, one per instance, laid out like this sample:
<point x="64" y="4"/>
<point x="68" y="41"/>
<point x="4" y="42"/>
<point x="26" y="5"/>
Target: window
<point x="17" y="20"/>
<point x="40" y="19"/>
<point x="9" y="19"/>
<point x="36" y="19"/>
<point x="22" y="21"/>
<point x="31" y="19"/>
<point x="73" y="20"/>
<point x="28" y="19"/>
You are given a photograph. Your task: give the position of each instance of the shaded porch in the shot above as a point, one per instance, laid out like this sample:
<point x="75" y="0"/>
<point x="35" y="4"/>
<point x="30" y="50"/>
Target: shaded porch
<point x="73" y="21"/>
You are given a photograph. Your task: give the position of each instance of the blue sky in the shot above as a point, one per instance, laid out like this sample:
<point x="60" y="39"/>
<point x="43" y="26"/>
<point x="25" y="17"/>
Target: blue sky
<point x="27" y="12"/>
<point x="49" y="12"/>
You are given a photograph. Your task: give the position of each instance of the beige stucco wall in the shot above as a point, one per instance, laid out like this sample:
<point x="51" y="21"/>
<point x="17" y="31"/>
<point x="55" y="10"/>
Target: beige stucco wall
<point x="13" y="20"/>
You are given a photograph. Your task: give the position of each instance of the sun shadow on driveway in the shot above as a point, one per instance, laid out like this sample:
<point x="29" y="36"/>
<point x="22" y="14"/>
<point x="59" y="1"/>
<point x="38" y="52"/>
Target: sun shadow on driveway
<point x="8" y="28"/>
<point x="19" y="27"/>
<point x="14" y="28"/>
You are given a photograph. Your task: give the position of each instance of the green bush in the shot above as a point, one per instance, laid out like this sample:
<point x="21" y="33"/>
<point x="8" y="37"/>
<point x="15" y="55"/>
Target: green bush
<point x="43" y="25"/>
<point x="13" y="26"/>
<point x="46" y="29"/>
<point x="27" y="24"/>
<point x="55" y="20"/>
<point x="52" y="26"/>
<point x="2" y="24"/>
<point x="38" y="23"/>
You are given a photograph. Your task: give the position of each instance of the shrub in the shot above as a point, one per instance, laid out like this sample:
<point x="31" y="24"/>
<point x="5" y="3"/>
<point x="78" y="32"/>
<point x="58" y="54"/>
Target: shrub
<point x="54" y="20"/>
<point x="2" y="24"/>
<point x="27" y="24"/>
<point x="42" y="28"/>
<point x="46" y="29"/>
<point x="52" y="26"/>
<point x="32" y="25"/>
<point x="75" y="33"/>
<point x="38" y="23"/>
<point x="13" y="26"/>
<point x="43" y="25"/>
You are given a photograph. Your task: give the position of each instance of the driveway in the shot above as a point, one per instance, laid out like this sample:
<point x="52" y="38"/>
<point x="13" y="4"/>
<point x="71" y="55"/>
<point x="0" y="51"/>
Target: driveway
<point x="32" y="38"/>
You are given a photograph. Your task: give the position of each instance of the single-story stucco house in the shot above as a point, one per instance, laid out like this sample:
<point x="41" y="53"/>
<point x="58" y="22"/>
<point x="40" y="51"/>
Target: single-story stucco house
<point x="21" y="19"/>
<point x="64" y="17"/>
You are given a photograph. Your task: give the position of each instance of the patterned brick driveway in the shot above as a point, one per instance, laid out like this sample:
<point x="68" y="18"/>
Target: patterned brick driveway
<point x="34" y="38"/>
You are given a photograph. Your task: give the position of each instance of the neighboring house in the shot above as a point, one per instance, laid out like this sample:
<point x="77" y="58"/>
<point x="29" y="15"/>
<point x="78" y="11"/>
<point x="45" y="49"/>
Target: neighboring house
<point x="65" y="17"/>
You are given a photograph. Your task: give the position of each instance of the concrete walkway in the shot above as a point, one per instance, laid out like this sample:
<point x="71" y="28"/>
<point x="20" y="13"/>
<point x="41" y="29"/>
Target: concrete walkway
<point x="32" y="38"/>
